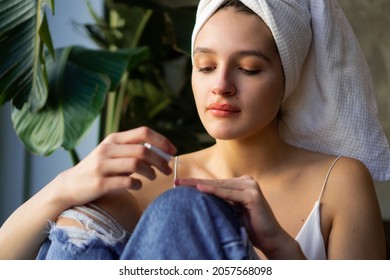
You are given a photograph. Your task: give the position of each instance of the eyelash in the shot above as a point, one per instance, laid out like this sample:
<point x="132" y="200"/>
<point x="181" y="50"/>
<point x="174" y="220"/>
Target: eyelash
<point x="250" y="72"/>
<point x="206" y="69"/>
<point x="245" y="71"/>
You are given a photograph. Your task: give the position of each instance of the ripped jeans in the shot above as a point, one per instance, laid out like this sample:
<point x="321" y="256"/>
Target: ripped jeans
<point x="181" y="224"/>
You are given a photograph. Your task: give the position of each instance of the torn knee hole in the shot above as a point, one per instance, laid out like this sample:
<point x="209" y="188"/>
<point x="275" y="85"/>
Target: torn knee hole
<point x="69" y="222"/>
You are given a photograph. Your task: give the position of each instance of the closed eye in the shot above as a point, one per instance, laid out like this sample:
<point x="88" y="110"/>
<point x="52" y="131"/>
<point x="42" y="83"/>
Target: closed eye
<point x="206" y="69"/>
<point x="250" y="72"/>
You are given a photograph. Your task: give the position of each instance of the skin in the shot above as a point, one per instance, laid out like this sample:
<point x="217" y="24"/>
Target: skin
<point x="275" y="183"/>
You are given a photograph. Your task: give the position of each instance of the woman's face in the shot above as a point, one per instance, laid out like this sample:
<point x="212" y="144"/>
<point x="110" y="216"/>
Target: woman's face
<point x="237" y="76"/>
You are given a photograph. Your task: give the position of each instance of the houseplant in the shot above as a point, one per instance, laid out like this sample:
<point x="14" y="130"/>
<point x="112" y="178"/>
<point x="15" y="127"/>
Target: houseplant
<point x="57" y="94"/>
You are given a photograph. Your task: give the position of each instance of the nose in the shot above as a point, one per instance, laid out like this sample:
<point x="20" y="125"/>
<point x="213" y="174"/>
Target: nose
<point x="223" y="84"/>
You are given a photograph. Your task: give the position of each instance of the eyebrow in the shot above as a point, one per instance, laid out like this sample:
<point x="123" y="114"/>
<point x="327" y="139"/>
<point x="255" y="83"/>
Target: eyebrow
<point x="255" y="53"/>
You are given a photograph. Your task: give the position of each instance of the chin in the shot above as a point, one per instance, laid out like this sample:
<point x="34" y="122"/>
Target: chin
<point x="224" y="134"/>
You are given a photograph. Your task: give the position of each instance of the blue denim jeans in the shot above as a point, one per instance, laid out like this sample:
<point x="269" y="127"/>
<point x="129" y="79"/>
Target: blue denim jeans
<point x="181" y="224"/>
<point x="100" y="237"/>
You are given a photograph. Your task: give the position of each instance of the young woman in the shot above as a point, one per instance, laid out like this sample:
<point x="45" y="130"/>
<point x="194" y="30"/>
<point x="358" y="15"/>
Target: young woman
<point x="280" y="85"/>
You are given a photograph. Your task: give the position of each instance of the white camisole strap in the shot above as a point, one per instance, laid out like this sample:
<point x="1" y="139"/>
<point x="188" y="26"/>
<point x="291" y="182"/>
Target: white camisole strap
<point x="327" y="177"/>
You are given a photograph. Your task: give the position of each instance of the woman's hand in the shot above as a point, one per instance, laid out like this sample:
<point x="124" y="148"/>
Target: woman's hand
<point x="264" y="231"/>
<point x="110" y="165"/>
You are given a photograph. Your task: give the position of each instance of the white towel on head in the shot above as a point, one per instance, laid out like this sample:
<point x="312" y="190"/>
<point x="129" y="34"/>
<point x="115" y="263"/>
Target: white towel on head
<point x="329" y="104"/>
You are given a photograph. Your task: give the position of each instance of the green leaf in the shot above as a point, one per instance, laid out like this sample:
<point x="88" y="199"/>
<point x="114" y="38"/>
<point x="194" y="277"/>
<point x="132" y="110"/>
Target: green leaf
<point x="45" y="35"/>
<point x="113" y="64"/>
<point x="51" y="4"/>
<point x="93" y="13"/>
<point x="76" y="96"/>
<point x="172" y="22"/>
<point x="21" y="73"/>
<point x="158" y="108"/>
<point x="79" y="80"/>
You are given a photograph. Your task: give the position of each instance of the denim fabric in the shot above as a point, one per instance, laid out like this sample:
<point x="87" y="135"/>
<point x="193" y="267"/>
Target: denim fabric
<point x="71" y="243"/>
<point x="183" y="223"/>
<point x="100" y="238"/>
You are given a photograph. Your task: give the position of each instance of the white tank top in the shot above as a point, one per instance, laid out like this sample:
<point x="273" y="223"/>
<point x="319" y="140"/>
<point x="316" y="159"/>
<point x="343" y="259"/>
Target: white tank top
<point x="310" y="236"/>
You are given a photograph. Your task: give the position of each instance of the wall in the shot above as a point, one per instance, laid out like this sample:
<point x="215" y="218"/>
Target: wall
<point x="371" y="20"/>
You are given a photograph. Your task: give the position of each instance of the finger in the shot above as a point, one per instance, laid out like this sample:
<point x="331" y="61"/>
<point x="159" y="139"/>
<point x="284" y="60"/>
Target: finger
<point x="186" y="182"/>
<point x="228" y="193"/>
<point x="191" y="181"/>
<point x="141" y="135"/>
<point x="128" y="166"/>
<point x="135" y="151"/>
<point x="224" y="183"/>
<point x="122" y="182"/>
<point x="225" y="189"/>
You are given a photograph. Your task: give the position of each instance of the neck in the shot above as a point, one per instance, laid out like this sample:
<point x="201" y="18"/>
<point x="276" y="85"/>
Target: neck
<point x="255" y="156"/>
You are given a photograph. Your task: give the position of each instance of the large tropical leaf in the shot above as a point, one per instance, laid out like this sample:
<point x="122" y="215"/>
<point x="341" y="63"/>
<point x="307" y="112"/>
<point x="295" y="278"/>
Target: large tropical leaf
<point x="79" y="80"/>
<point x="22" y="73"/>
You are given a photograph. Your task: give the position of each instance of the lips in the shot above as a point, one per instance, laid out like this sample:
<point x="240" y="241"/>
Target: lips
<point x="223" y="109"/>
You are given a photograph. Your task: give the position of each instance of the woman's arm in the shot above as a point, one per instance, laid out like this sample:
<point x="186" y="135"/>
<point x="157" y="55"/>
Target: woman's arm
<point x="357" y="228"/>
<point x="105" y="171"/>
<point x="25" y="230"/>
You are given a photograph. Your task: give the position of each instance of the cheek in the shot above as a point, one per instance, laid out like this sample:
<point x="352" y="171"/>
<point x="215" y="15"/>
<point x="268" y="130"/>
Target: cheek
<point x="199" y="89"/>
<point x="261" y="109"/>
<point x="273" y="89"/>
<point x="264" y="101"/>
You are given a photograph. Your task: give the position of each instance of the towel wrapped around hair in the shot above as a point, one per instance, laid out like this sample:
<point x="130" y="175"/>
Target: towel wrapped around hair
<point x="329" y="104"/>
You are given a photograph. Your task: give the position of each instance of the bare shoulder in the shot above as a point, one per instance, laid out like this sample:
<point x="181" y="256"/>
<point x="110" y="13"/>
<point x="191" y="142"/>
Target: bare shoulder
<point x="350" y="176"/>
<point x="351" y="204"/>
<point x="349" y="185"/>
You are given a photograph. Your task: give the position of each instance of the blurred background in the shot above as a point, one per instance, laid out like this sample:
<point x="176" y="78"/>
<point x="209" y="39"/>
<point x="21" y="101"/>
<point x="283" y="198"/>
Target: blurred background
<point x="370" y="20"/>
<point x="22" y="174"/>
